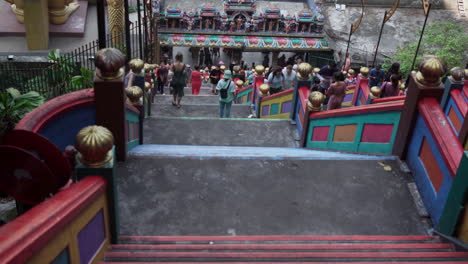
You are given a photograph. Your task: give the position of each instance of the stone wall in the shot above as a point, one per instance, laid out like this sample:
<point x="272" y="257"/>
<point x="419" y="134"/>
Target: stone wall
<point x="388" y="3"/>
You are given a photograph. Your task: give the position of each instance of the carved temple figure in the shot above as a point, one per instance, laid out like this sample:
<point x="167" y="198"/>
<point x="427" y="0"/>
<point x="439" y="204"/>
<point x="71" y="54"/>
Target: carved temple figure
<point x="239" y="23"/>
<point x="232" y="27"/>
<point x="116" y="20"/>
<point x="247" y="26"/>
<point x="304" y="28"/>
<point x="59" y="10"/>
<point x="288" y="24"/>
<point x="271" y="25"/>
<point x="207" y="23"/>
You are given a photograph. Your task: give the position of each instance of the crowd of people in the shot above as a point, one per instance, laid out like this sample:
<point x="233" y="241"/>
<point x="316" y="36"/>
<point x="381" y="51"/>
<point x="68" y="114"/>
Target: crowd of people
<point x="329" y="80"/>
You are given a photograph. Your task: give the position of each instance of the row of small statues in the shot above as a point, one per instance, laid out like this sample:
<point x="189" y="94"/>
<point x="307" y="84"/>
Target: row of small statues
<point x="240" y="24"/>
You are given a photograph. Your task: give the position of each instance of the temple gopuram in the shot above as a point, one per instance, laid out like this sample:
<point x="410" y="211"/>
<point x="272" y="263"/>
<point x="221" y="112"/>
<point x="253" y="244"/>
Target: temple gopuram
<point x="240" y="25"/>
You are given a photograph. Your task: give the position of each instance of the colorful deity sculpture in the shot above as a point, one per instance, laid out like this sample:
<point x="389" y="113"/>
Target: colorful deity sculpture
<point x="58" y="10"/>
<point x="288" y="23"/>
<point x="173" y="17"/>
<point x="305" y="20"/>
<point x="255" y="21"/>
<point x="319" y="22"/>
<point x="239" y="23"/>
<point x="207" y="17"/>
<point x="272" y="17"/>
<point x="190" y="20"/>
<point x="224" y="22"/>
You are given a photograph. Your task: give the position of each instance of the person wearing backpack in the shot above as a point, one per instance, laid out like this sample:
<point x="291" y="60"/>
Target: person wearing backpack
<point x="225" y="88"/>
<point x="276" y="81"/>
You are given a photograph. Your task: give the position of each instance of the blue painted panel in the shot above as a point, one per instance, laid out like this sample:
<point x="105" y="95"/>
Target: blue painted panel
<point x="62" y="258"/>
<point x="451" y="104"/>
<point x="433" y="201"/>
<point x="464" y="96"/>
<point x="298" y="119"/>
<point x="91" y="237"/>
<point x="62" y="130"/>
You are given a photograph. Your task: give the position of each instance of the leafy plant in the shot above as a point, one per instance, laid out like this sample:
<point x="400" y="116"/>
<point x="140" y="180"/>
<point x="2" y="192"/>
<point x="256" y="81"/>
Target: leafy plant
<point x="85" y="80"/>
<point x="14" y="105"/>
<point x="445" y="40"/>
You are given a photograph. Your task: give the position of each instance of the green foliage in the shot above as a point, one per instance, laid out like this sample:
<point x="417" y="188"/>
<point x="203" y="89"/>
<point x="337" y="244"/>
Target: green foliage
<point x="131" y="9"/>
<point x="445" y="40"/>
<point x="85" y="80"/>
<point x="14" y="105"/>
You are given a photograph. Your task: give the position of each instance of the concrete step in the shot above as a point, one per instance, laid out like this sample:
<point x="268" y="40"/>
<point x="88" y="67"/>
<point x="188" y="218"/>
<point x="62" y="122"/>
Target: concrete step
<point x="219" y="196"/>
<point x="204" y="90"/>
<point x="219" y="132"/>
<point x="198" y="110"/>
<point x="186" y="100"/>
<point x="207" y="152"/>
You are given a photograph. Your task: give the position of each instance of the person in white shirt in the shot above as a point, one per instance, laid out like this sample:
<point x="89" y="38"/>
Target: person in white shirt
<point x="289" y="77"/>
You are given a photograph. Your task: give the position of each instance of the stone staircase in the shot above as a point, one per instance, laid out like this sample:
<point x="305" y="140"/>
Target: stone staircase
<point x="199" y="178"/>
<point x="283" y="249"/>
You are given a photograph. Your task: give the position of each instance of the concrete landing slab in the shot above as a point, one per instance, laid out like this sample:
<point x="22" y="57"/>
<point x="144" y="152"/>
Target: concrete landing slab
<point x="188" y="91"/>
<point x="179" y="196"/>
<point x="221" y="152"/>
<point x="219" y="132"/>
<point x="188" y="99"/>
<point x="74" y="27"/>
<point x="199" y="110"/>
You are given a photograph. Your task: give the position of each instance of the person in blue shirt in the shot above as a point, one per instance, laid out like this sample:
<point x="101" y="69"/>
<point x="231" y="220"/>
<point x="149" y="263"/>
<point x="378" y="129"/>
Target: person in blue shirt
<point x="226" y="89"/>
<point x="376" y="76"/>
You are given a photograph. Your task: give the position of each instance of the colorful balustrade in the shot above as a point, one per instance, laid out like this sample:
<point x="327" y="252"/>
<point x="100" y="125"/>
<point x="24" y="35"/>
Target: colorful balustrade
<point x="364" y="129"/>
<point x="277" y="106"/>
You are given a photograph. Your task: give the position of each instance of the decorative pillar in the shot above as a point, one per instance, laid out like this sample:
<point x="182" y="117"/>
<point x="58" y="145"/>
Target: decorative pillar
<point x="425" y="83"/>
<point x="264" y="90"/>
<point x="361" y="78"/>
<point x="373" y="94"/>
<point x="60" y="10"/>
<point x="304" y="71"/>
<point x="259" y="78"/>
<point x="109" y="96"/>
<point x="453" y="82"/>
<point x="274" y="58"/>
<point x="135" y="98"/>
<point x="36" y="23"/>
<point x="116" y="10"/>
<point x="95" y="146"/>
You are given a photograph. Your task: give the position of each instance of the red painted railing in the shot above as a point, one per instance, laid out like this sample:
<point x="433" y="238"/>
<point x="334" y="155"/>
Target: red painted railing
<point x="443" y="135"/>
<point x="26" y="235"/>
<point x="388" y="99"/>
<point x="363" y="109"/>
<point x="459" y="101"/>
<point x="54" y="108"/>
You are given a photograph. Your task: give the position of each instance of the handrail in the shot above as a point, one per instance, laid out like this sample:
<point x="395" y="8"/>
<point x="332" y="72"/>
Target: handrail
<point x="459" y="245"/>
<point x="459" y="102"/>
<point x="27" y="234"/>
<point x="244" y="89"/>
<point x="285" y="92"/>
<point x="388" y="99"/>
<point x="444" y="137"/>
<point x="362" y="109"/>
<point x="303" y="95"/>
<point x="38" y="118"/>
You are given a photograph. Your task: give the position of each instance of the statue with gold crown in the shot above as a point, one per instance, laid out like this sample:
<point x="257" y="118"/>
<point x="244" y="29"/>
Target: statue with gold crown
<point x="58" y="10"/>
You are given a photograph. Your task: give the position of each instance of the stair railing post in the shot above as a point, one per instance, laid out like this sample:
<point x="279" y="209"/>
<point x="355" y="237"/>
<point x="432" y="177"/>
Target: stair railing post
<point x="425" y="83"/>
<point x="109" y="96"/>
<point x="314" y="104"/>
<point x="96" y="156"/>
<point x="374" y="93"/>
<point x="264" y="90"/>
<point x="453" y="82"/>
<point x="136" y="97"/>
<point x="300" y="82"/>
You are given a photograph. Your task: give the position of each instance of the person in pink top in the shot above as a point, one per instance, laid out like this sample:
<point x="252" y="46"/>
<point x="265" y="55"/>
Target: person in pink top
<point x="336" y="91"/>
<point x="196" y="80"/>
<point x="391" y="88"/>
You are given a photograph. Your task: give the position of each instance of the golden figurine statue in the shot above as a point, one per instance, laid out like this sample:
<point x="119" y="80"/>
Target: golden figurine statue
<point x="59" y="10"/>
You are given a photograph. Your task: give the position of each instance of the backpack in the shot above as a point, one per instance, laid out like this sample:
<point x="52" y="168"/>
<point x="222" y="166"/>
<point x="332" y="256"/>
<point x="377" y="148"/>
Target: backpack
<point x="224" y="92"/>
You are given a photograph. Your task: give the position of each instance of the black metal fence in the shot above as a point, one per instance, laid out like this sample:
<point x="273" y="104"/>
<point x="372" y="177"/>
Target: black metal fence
<point x="57" y="76"/>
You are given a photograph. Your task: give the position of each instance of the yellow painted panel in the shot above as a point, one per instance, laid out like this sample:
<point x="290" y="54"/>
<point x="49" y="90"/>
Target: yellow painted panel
<point x="345" y="133"/>
<point x="68" y="236"/>
<point x="279" y="116"/>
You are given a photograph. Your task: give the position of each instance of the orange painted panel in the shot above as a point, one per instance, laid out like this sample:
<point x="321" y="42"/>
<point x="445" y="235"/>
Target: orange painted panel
<point x="431" y="165"/>
<point x="452" y="115"/>
<point x="345" y="133"/>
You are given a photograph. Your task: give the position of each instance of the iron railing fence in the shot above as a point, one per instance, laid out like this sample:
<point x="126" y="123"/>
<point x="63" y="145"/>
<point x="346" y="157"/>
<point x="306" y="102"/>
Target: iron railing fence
<point x="54" y="78"/>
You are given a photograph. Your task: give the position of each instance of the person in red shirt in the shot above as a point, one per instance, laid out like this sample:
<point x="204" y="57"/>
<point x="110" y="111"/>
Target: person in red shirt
<point x="196" y="80"/>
